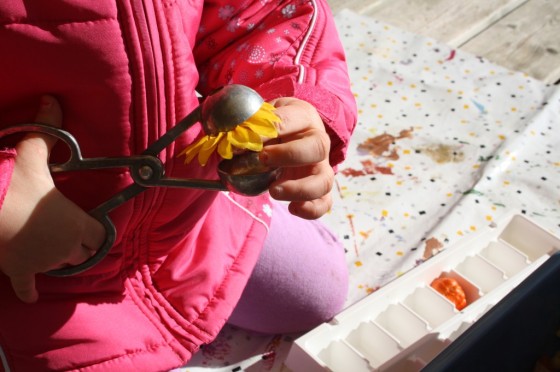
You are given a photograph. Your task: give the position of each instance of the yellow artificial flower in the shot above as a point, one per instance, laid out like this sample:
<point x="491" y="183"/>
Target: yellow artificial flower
<point x="246" y="136"/>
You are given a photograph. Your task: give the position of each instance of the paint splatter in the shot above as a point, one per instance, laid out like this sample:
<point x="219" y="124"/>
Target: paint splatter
<point x="219" y="349"/>
<point x="479" y="106"/>
<point x="432" y="246"/>
<point x="269" y="356"/>
<point x="474" y="192"/>
<point x="368" y="289"/>
<point x="366" y="234"/>
<point x="380" y="145"/>
<point x="451" y="55"/>
<point x="368" y="168"/>
<point x="353" y="230"/>
<point x="441" y="153"/>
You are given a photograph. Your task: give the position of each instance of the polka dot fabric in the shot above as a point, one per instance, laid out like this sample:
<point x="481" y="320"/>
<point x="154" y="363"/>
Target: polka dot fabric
<point x="446" y="143"/>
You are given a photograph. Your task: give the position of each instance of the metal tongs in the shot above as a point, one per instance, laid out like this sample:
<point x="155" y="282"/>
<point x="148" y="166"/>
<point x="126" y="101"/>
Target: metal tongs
<point x="219" y="112"/>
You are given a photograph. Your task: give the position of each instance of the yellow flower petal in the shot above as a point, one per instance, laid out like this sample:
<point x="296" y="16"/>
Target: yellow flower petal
<point x="262" y="122"/>
<point x="208" y="148"/>
<point x="245" y="138"/>
<point x="267" y="108"/>
<point x="225" y="149"/>
<point x="192" y="150"/>
<point x="263" y="128"/>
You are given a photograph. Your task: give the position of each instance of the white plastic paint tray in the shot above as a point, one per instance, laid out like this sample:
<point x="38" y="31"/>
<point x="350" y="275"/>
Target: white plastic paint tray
<point x="405" y="324"/>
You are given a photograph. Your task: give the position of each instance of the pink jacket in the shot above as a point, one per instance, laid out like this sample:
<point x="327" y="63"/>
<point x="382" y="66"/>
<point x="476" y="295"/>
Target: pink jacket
<point x="125" y="71"/>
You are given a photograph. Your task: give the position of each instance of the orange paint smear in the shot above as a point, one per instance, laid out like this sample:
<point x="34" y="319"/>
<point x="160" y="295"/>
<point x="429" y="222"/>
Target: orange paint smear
<point x="369" y="168"/>
<point x="380" y="145"/>
<point x="452" y="290"/>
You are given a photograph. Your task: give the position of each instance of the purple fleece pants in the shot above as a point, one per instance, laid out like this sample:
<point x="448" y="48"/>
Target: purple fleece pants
<point x="300" y="280"/>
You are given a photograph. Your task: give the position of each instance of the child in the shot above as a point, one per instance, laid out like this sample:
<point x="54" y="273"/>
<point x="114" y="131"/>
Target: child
<point x="118" y="76"/>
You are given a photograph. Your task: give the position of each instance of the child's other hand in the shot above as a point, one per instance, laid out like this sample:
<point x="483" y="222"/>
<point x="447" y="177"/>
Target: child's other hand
<point x="40" y="229"/>
<point x="303" y="152"/>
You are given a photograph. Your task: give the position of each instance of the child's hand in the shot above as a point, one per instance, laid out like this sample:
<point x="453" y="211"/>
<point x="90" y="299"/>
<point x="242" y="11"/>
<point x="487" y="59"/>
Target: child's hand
<point x="303" y="152"/>
<point x="40" y="229"/>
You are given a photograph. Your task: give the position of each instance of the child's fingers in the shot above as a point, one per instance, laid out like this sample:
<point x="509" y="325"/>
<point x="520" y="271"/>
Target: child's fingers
<point x="293" y="187"/>
<point x="24" y="287"/>
<point x="311" y="148"/>
<point x="85" y="240"/>
<point x="80" y="255"/>
<point x="49" y="113"/>
<point x="296" y="116"/>
<point x="302" y="136"/>
<point x="311" y="209"/>
<point x="94" y="235"/>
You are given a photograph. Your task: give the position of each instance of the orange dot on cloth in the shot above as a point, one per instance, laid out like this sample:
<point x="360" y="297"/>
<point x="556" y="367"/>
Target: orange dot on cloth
<point x="452" y="290"/>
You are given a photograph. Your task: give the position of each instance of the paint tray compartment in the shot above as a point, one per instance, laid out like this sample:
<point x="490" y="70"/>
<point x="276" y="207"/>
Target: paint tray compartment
<point x="404" y="325"/>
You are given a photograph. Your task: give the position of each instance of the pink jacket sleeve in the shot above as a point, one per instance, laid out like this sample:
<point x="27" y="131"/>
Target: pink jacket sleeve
<point x="7" y="157"/>
<point x="281" y="49"/>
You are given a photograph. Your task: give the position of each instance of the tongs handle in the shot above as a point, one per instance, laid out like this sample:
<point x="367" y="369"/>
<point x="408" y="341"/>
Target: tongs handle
<point x="76" y="162"/>
<point x="101" y="213"/>
<point x="146" y="170"/>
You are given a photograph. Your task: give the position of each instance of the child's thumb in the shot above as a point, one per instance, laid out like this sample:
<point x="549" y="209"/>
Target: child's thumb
<point x="49" y="113"/>
<point x="24" y="287"/>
